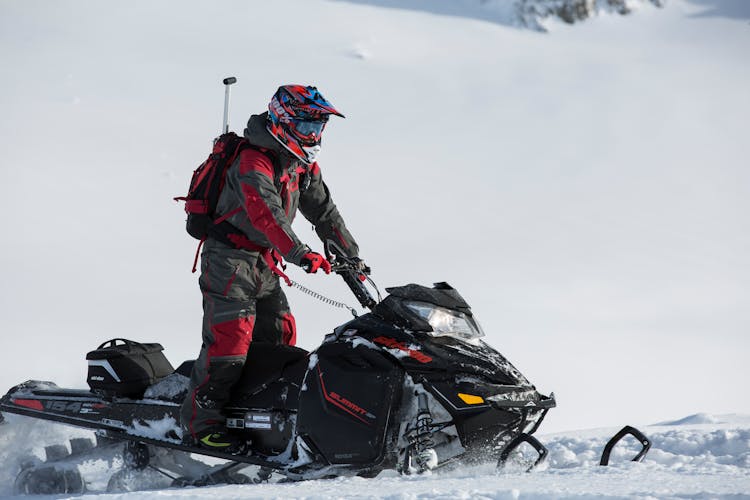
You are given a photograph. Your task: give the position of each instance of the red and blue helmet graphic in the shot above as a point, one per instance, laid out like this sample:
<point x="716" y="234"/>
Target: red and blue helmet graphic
<point x="297" y="116"/>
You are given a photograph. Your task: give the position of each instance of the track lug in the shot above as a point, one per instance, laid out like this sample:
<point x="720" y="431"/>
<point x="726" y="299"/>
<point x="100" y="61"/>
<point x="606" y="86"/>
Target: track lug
<point x="55" y="452"/>
<point x="80" y="445"/>
<point x="136" y="455"/>
<point x="49" y="480"/>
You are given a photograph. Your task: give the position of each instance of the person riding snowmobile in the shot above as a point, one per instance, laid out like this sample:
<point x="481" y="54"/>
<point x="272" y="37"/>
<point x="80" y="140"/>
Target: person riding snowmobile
<point x="242" y="298"/>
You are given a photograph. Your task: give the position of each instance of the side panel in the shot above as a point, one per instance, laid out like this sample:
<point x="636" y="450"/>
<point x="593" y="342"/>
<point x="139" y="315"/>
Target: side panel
<point x="346" y="403"/>
<point x="267" y="413"/>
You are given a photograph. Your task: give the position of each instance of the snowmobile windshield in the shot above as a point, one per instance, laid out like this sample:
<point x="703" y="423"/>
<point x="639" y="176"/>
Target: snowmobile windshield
<point x="447" y="323"/>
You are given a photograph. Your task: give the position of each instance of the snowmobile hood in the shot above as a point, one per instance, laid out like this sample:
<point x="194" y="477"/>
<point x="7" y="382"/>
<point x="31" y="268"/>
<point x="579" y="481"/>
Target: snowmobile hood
<point x="442" y="294"/>
<point x="422" y="353"/>
<point x="393" y="307"/>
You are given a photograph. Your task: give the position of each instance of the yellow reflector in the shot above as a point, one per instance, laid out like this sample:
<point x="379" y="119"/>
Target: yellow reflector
<point x="470" y="400"/>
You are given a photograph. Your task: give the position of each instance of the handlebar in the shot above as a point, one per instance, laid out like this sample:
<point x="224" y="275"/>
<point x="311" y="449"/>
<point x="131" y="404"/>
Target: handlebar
<point x="353" y="273"/>
<point x="355" y="279"/>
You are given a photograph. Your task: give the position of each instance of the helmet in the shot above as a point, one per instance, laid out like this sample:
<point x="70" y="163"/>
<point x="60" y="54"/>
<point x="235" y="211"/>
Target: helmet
<point x="297" y="116"/>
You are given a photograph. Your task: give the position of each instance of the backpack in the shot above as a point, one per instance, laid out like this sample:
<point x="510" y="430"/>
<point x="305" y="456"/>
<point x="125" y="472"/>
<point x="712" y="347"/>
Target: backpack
<point x="208" y="181"/>
<point x="205" y="189"/>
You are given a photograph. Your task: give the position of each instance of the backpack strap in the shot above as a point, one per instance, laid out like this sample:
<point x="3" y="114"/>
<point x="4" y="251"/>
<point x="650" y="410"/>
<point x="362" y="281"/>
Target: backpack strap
<point x="197" y="254"/>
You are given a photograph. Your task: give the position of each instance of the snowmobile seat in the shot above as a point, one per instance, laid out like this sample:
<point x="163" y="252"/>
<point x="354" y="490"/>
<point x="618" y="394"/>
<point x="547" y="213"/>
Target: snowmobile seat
<point x="265" y="362"/>
<point x="185" y="368"/>
<point x="268" y="362"/>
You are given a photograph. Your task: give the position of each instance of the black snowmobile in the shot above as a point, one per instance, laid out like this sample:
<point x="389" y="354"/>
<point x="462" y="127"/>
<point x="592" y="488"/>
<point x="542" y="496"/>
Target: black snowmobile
<point x="409" y="386"/>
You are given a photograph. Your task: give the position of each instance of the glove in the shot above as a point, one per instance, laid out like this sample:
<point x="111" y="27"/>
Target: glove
<point x="312" y="261"/>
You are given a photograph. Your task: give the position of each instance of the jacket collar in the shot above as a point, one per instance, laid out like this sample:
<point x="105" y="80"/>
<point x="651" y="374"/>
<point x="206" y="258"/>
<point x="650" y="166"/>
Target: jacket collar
<point x="257" y="133"/>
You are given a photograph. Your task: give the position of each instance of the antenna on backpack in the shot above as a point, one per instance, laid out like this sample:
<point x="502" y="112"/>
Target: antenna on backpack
<point x="227" y="82"/>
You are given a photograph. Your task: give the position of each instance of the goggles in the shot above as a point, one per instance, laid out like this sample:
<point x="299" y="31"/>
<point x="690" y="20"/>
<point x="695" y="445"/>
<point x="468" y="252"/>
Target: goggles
<point x="308" y="131"/>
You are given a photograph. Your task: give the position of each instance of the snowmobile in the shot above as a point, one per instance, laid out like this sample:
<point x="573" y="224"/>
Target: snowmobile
<point x="409" y="386"/>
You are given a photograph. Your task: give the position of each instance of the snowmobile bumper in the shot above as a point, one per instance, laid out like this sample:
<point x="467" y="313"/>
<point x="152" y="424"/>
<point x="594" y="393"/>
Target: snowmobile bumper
<point x="515" y="396"/>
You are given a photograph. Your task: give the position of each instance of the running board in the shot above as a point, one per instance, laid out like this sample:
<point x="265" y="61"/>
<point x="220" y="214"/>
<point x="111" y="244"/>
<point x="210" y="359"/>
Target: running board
<point x="118" y="433"/>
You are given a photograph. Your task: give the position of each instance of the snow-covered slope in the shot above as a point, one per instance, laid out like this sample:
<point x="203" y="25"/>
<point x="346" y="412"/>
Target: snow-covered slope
<point x="688" y="459"/>
<point x="531" y="14"/>
<point x="585" y="189"/>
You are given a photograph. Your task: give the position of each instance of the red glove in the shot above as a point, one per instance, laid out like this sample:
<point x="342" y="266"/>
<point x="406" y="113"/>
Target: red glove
<point x="313" y="261"/>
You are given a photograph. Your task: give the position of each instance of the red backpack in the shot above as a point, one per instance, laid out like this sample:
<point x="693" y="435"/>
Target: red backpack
<point x="207" y="183"/>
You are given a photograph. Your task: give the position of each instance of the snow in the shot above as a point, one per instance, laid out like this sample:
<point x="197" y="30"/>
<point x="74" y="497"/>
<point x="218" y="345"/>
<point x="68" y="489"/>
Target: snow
<point x="157" y="429"/>
<point x="586" y="190"/>
<point x="171" y="387"/>
<point x="698" y="418"/>
<point x="686" y="461"/>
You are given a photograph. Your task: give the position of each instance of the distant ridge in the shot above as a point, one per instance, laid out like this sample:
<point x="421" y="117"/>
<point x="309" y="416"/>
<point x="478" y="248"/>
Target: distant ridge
<point x="529" y="14"/>
<point x="697" y="418"/>
<point x="707" y="418"/>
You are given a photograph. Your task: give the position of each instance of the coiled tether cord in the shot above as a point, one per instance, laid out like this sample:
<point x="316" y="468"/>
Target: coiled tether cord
<point x="330" y="301"/>
<point x="323" y="298"/>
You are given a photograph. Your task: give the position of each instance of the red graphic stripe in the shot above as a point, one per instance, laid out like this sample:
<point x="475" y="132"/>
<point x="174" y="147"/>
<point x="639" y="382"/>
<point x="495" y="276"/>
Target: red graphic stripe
<point x="341" y="238"/>
<point x="255" y="161"/>
<point x="336" y="403"/>
<point x="34" y="404"/>
<point x="229" y="283"/>
<point x="263" y="220"/>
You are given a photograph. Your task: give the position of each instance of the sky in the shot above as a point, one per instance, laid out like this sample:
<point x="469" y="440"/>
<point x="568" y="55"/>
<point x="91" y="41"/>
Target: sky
<point x="585" y="189"/>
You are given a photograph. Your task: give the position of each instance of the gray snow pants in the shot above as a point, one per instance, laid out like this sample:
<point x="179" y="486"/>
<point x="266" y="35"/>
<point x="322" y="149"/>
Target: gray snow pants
<point x="242" y="302"/>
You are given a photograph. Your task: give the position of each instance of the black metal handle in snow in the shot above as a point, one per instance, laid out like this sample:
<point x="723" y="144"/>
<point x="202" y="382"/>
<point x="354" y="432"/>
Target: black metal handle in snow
<point x="516" y="442"/>
<point x="645" y="443"/>
<point x="229" y="81"/>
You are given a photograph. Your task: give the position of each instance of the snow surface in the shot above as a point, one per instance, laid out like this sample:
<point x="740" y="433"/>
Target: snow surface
<point x="685" y="461"/>
<point x="586" y="190"/>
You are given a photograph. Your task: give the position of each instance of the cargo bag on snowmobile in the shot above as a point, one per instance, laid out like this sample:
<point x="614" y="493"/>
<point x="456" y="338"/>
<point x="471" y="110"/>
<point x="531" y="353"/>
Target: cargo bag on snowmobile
<point x="126" y="368"/>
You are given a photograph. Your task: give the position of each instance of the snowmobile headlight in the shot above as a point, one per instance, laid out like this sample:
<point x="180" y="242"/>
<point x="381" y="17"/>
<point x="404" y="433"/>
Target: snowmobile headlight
<point x="445" y="322"/>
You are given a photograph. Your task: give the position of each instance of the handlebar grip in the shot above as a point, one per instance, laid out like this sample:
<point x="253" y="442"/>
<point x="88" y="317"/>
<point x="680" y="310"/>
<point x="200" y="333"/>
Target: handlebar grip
<point x="229" y="81"/>
<point x="357" y="287"/>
